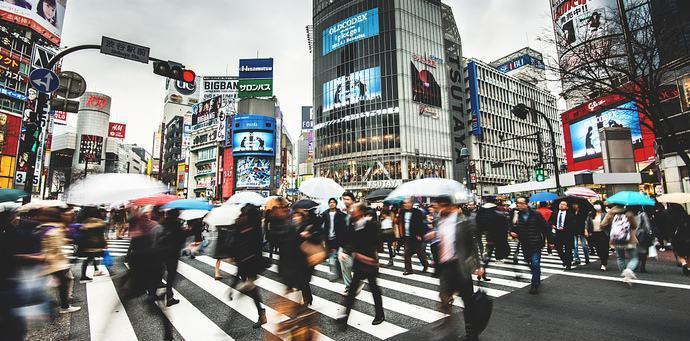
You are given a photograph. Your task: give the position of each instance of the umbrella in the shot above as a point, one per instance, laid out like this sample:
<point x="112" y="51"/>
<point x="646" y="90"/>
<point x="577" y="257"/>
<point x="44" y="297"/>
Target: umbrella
<point x="38" y="204"/>
<point x="393" y="201"/>
<point x="188" y="204"/>
<point x="155" y="200"/>
<point x="543" y="196"/>
<point x="112" y="187"/>
<point x="582" y="192"/>
<point x="7" y="194"/>
<point x="584" y="203"/>
<point x="630" y="198"/>
<point x="193" y="214"/>
<point x="676" y="198"/>
<point x="223" y="215"/>
<point x="246" y="197"/>
<point x="379" y="194"/>
<point x="305" y="204"/>
<point x="321" y="188"/>
<point x="432" y="187"/>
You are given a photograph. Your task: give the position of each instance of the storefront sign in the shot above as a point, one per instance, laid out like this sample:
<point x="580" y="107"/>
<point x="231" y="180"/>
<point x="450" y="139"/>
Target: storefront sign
<point x="393" y="183"/>
<point x="255" y="88"/>
<point x="117" y="130"/>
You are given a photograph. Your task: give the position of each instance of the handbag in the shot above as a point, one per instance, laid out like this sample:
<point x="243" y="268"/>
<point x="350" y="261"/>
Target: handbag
<point x="315" y="253"/>
<point x="480" y="308"/>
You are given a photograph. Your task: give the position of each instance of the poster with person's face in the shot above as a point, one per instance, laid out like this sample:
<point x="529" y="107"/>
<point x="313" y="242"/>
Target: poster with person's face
<point x="356" y="87"/>
<point x="43" y="16"/>
<point x="253" y="172"/>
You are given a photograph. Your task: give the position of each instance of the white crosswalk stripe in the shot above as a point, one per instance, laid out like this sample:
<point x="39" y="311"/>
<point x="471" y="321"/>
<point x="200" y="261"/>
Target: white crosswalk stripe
<point x="116" y="247"/>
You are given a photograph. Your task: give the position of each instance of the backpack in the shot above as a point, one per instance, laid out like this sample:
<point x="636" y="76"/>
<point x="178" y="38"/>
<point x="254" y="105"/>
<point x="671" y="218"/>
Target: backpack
<point x="620" y="229"/>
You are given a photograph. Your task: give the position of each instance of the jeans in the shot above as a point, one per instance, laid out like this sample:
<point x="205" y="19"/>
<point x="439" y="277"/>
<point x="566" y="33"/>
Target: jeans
<point x="576" y="254"/>
<point x="345" y="268"/>
<point x="334" y="265"/>
<point x="533" y="258"/>
<point x="627" y="258"/>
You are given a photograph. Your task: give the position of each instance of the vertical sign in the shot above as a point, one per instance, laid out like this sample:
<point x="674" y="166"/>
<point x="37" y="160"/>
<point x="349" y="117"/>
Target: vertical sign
<point x="117" y="130"/>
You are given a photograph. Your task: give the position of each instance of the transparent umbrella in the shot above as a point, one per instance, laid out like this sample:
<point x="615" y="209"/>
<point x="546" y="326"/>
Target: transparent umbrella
<point x="432" y="187"/>
<point x="112" y="187"/>
<point x="247" y="197"/>
<point x="678" y="198"/>
<point x="223" y="215"/>
<point x="321" y="188"/>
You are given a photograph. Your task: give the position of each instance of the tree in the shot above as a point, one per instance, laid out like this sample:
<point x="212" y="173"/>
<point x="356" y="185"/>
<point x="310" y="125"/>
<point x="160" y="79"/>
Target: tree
<point x="635" y="55"/>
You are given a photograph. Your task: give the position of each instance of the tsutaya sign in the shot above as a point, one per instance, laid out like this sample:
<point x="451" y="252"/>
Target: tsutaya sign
<point x="391" y="183"/>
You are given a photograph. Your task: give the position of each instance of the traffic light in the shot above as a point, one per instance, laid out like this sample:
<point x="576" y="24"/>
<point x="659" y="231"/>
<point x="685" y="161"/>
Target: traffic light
<point x="540" y="150"/>
<point x="520" y="111"/>
<point x="173" y="70"/>
<point x="539" y="174"/>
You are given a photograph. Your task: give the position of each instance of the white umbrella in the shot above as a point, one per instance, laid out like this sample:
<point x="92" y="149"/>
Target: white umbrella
<point x="247" y="197"/>
<point x="37" y="204"/>
<point x="223" y="215"/>
<point x="321" y="188"/>
<point x="432" y="187"/>
<point x="582" y="192"/>
<point x="677" y="198"/>
<point x="192" y="214"/>
<point x="112" y="187"/>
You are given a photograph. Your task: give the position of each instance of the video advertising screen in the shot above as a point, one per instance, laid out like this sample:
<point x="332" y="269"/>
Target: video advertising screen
<point x="253" y="172"/>
<point x="355" y="28"/>
<point x="253" y="142"/>
<point x="353" y="88"/>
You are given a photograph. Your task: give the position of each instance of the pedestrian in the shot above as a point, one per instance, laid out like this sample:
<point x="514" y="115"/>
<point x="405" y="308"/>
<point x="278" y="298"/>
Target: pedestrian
<point x="169" y="243"/>
<point x="412" y="228"/>
<point x="598" y="235"/>
<point x="513" y="213"/>
<point x="196" y="228"/>
<point x="13" y="325"/>
<point x="432" y="223"/>
<point x="563" y="222"/>
<point x="645" y="237"/>
<point x="458" y="259"/>
<point x="546" y="213"/>
<point x="334" y="228"/>
<point x="388" y="232"/>
<point x="681" y="235"/>
<point x="580" y="233"/>
<point x="495" y="226"/>
<point x="532" y="231"/>
<point x="622" y="224"/>
<point x="345" y="250"/>
<point x="365" y="264"/>
<point x="308" y="227"/>
<point x="91" y="241"/>
<point x="248" y="256"/>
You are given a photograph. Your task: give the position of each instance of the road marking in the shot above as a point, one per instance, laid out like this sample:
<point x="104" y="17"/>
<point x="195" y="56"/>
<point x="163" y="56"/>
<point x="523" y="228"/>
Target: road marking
<point x="107" y="316"/>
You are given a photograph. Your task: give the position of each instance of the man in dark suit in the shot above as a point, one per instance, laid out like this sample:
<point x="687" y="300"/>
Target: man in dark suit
<point x="412" y="228"/>
<point x="563" y="222"/>
<point x="334" y="227"/>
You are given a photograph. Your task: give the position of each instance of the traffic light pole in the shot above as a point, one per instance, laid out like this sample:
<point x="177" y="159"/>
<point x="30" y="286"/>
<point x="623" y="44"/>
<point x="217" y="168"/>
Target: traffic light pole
<point x="554" y="156"/>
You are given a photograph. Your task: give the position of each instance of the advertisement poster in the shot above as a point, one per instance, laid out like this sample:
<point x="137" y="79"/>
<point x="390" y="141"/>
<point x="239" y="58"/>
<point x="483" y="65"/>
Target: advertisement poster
<point x="90" y="148"/>
<point x="206" y="111"/>
<point x="350" y="30"/>
<point x="578" y="21"/>
<point x="253" y="143"/>
<point x="255" y="88"/>
<point x="584" y="134"/>
<point x="520" y="62"/>
<point x="256" y="68"/>
<point x="117" y="130"/>
<point x="42" y="16"/>
<point x="425" y="88"/>
<point x="358" y="86"/>
<point x="253" y="172"/>
<point x="224" y="86"/>
<point x="228" y="173"/>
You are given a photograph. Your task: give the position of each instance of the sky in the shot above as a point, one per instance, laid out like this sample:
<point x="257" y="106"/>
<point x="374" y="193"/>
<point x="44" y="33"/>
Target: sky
<point x="209" y="36"/>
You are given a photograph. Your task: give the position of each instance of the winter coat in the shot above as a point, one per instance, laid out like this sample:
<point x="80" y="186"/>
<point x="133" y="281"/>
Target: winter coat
<point x="533" y="231"/>
<point x="630" y="215"/>
<point x="246" y="247"/>
<point x="339" y="221"/>
<point x="91" y="236"/>
<point x="292" y="265"/>
<point x="171" y="238"/>
<point x="365" y="241"/>
<point x="493" y="223"/>
<point x="417" y="223"/>
<point x="54" y="239"/>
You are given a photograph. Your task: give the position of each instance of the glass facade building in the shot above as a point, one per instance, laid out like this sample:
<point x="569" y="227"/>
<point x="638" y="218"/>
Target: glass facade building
<point x="381" y="92"/>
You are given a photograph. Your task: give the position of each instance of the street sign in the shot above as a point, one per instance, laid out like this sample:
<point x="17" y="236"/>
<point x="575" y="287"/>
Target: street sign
<point x="123" y="49"/>
<point x="72" y="85"/>
<point x="41" y="56"/>
<point x="44" y="80"/>
<point x="61" y="104"/>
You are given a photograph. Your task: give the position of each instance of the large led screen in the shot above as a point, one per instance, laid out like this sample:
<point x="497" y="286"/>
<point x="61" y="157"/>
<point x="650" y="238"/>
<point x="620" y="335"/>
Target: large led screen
<point x="42" y="16"/>
<point x="352" y="29"/>
<point x="584" y="134"/>
<point x="253" y="143"/>
<point x="353" y="88"/>
<point x="253" y="172"/>
<point x="425" y="87"/>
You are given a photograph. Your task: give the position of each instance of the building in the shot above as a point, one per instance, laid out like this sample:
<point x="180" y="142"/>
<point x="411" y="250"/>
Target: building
<point x="305" y="147"/>
<point x="389" y="101"/>
<point x="503" y="148"/>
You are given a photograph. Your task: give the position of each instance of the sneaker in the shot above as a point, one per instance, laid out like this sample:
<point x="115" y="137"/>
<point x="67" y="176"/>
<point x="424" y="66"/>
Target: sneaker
<point x="603" y="268"/>
<point x="69" y="309"/>
<point x="172" y="302"/>
<point x="628" y="274"/>
<point x="85" y="280"/>
<point x="345" y="293"/>
<point x="378" y="320"/>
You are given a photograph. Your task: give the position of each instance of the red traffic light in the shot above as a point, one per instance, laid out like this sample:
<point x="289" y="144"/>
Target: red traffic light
<point x="188" y="76"/>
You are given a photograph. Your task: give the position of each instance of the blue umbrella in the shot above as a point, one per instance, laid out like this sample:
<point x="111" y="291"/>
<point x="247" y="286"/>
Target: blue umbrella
<point x="630" y="198"/>
<point x="10" y="194"/>
<point x="543" y="196"/>
<point x="188" y="204"/>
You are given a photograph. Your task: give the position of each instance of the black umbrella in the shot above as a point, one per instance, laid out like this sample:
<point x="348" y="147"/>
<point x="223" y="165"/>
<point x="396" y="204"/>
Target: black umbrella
<point x="305" y="204"/>
<point x="379" y="194"/>
<point x="585" y="205"/>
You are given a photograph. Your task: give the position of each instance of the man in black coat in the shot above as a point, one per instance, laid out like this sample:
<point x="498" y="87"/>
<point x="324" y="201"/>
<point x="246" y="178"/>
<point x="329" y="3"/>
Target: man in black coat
<point x="169" y="243"/>
<point x="412" y="228"/>
<point x="564" y="223"/>
<point x="334" y="228"/>
<point x="532" y="230"/>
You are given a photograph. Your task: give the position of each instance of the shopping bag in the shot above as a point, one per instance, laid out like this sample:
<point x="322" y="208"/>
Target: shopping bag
<point x="107" y="258"/>
<point x="316" y="253"/>
<point x="652" y="252"/>
<point x="480" y="308"/>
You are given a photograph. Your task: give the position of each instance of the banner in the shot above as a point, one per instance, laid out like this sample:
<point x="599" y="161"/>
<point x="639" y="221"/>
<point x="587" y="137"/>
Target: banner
<point x="117" y="130"/>
<point x="256" y="68"/>
<point x="43" y="16"/>
<point x="353" y="88"/>
<point x="255" y="88"/>
<point x="425" y="88"/>
<point x="224" y="86"/>
<point x="90" y="148"/>
<point x="578" y="21"/>
<point x="350" y="30"/>
<point x="206" y="111"/>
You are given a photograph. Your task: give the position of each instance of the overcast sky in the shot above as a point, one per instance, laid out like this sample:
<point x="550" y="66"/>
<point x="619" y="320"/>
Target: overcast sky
<point x="209" y="36"/>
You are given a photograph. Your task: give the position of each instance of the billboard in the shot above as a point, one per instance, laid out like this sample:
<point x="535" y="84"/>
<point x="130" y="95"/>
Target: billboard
<point x="206" y="111"/>
<point x="90" y="148"/>
<point x="520" y="62"/>
<point x="42" y="16"/>
<point x="253" y="143"/>
<point x="358" y="86"/>
<point x="425" y="88"/>
<point x="581" y="131"/>
<point x="117" y="130"/>
<point x="307" y="122"/>
<point x="256" y="68"/>
<point x="475" y="109"/>
<point x="228" y="173"/>
<point x="253" y="172"/>
<point x="255" y="88"/>
<point x="225" y="86"/>
<point x="355" y="28"/>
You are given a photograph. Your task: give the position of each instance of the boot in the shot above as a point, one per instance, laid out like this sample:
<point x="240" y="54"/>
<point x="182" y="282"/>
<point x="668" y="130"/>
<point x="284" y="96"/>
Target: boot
<point x="261" y="320"/>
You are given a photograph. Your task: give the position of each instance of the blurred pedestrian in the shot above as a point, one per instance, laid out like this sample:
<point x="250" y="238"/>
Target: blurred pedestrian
<point x="12" y="325"/>
<point x="308" y="226"/>
<point x="681" y="234"/>
<point x="599" y="235"/>
<point x="334" y="228"/>
<point x="388" y="232"/>
<point x="345" y="251"/>
<point x="366" y="266"/>
<point x="169" y="243"/>
<point x="495" y="226"/>
<point x="563" y="222"/>
<point x="532" y="231"/>
<point x="645" y="237"/>
<point x="413" y="229"/>
<point x="91" y="241"/>
<point x="622" y="224"/>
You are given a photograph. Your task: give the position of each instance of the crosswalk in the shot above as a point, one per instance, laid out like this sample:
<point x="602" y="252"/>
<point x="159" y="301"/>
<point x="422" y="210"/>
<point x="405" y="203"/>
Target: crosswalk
<point x="206" y="313"/>
<point x="117" y="248"/>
